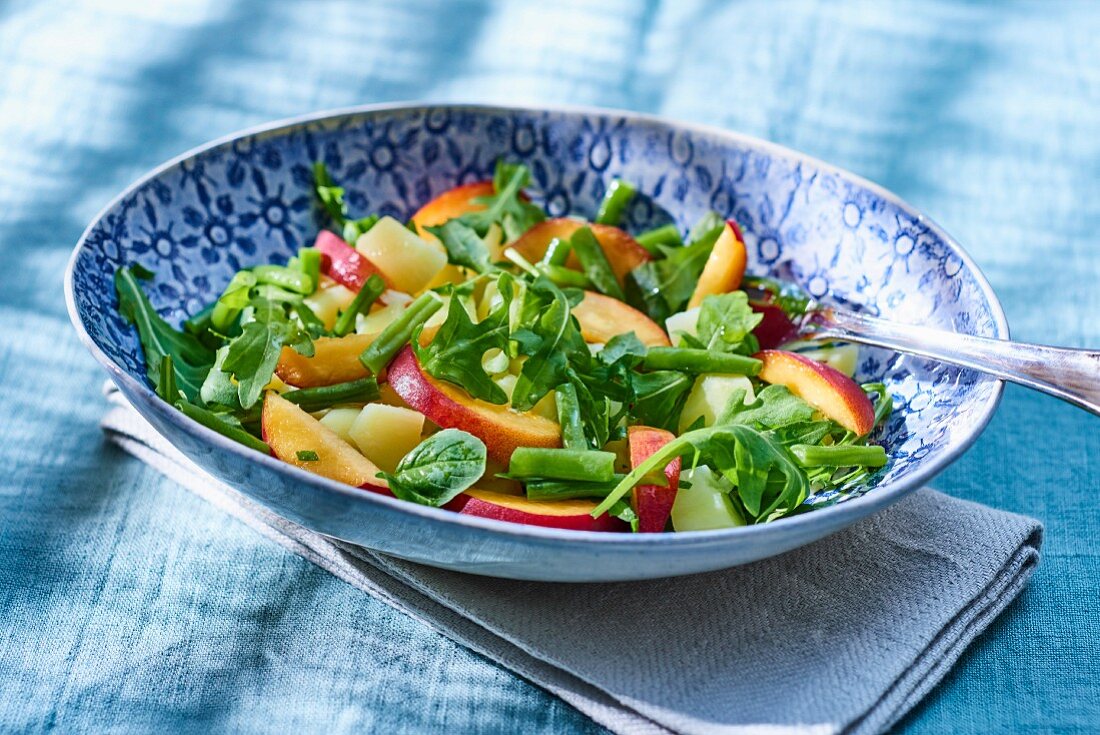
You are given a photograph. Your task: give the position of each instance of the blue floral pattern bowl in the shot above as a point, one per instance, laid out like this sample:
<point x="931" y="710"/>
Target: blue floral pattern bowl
<point x="246" y="200"/>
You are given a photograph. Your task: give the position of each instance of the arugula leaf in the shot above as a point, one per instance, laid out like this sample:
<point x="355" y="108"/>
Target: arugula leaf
<point x="623" y="349"/>
<point x="725" y="321"/>
<point x="660" y="397"/>
<point x="506" y="206"/>
<point x="330" y="195"/>
<point x="252" y="356"/>
<point x="439" y="468"/>
<point x="218" y="388"/>
<point x="768" y="482"/>
<point x="456" y="351"/>
<point x="546" y="368"/>
<point x="191" y="359"/>
<point x="663" y="287"/>
<point x="775" y="407"/>
<point x="464" y="246"/>
<point x="624" y="512"/>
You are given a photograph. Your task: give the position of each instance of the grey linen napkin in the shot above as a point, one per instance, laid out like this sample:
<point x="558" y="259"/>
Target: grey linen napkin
<point x="844" y="635"/>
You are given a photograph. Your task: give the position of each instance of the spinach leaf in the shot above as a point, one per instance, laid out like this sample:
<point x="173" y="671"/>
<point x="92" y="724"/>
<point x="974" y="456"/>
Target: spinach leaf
<point x="725" y="321"/>
<point x="439" y="468"/>
<point x="191" y="359"/>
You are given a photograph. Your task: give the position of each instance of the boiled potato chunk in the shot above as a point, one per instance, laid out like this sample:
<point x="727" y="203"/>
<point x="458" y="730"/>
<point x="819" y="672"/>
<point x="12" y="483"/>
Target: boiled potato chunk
<point x="340" y="421"/>
<point x="329" y="300"/>
<point x="703" y="502"/>
<point x="385" y="434"/>
<point x="408" y="261"/>
<point x="709" y="397"/>
<point x="682" y="322"/>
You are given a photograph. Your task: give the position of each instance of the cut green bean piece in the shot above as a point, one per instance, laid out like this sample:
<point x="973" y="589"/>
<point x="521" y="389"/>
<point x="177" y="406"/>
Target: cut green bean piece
<point x="562" y="464"/>
<point x="839" y="455"/>
<point x="211" y="420"/>
<point x="283" y="277"/>
<point x="562" y="276"/>
<point x="668" y="235"/>
<point x="569" y="417"/>
<point x="398" y="332"/>
<point x="564" y="490"/>
<point x="699" y="361"/>
<point x="367" y="295"/>
<point x="595" y="263"/>
<point x="615" y="199"/>
<point x="309" y="260"/>
<point x="557" y="252"/>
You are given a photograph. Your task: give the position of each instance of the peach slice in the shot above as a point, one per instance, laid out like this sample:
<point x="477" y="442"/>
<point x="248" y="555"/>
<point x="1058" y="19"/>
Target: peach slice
<point x="775" y="328"/>
<point x="570" y="514"/>
<point x="825" y="388"/>
<point x="724" y="268"/>
<point x="623" y="252"/>
<point x="450" y="204"/>
<point x="603" y="317"/>
<point x="335" y="360"/>
<point x="288" y="430"/>
<point x="652" y="503"/>
<point x="344" y="264"/>
<point x="501" y="428"/>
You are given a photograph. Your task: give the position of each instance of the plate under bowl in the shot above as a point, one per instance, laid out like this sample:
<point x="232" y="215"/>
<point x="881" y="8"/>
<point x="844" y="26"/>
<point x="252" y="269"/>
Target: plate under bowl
<point x="245" y="200"/>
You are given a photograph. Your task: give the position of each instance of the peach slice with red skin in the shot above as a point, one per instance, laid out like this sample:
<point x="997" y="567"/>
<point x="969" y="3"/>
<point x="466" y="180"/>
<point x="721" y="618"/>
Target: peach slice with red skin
<point x="724" y="268"/>
<point x="828" y="390"/>
<point x="776" y="328"/>
<point x="623" y="252"/>
<point x="288" y="430"/>
<point x="343" y="263"/>
<point x="501" y="428"/>
<point x="574" y="515"/>
<point x="603" y="317"/>
<point x="652" y="503"/>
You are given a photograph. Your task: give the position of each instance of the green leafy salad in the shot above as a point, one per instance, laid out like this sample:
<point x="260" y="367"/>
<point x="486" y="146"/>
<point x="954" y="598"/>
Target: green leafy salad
<point x="491" y="360"/>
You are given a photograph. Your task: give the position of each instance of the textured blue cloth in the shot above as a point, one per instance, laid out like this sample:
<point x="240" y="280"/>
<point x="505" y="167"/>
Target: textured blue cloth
<point x="127" y="602"/>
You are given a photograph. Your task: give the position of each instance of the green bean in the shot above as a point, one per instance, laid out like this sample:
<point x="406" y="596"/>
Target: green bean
<point x="309" y="260"/>
<point x="398" y="332"/>
<point x="615" y="199"/>
<point x="569" y="417"/>
<point x="283" y="277"/>
<point x="699" y="361"/>
<point x="595" y="264"/>
<point x="557" y="252"/>
<point x="367" y="295"/>
<point x="839" y="455"/>
<point x="211" y="421"/>
<point x="562" y="276"/>
<point x="562" y="464"/>
<point x="667" y="235"/>
<point x="563" y="490"/>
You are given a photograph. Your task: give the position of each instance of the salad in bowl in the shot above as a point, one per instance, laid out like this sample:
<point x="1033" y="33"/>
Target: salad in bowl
<point x="494" y="361"/>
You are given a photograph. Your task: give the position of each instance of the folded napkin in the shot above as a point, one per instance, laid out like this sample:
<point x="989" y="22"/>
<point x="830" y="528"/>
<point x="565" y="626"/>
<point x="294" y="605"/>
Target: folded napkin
<point x="844" y="635"/>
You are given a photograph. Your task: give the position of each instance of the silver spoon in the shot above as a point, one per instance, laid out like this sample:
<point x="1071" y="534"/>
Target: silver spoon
<point x="1070" y="374"/>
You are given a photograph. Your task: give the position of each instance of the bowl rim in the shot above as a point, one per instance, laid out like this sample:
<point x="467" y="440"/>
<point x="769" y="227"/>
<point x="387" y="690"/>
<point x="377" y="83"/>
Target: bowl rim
<point x="839" y="513"/>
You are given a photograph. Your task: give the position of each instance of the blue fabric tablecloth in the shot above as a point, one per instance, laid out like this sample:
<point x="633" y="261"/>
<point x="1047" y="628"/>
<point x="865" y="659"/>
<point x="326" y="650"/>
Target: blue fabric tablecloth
<point x="129" y="604"/>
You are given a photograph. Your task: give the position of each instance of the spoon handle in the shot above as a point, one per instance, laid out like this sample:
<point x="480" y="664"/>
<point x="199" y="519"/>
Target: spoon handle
<point x="1072" y="375"/>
